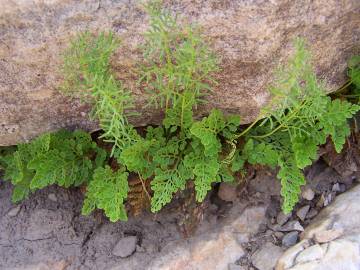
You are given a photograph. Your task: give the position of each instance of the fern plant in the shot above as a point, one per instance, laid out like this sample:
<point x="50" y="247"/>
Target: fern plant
<point x="298" y="120"/>
<point x="63" y="158"/>
<point x="177" y="73"/>
<point x="87" y="75"/>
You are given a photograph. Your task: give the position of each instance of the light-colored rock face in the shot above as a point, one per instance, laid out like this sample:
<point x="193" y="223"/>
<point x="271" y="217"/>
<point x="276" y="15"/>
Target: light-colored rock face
<point x="217" y="250"/>
<point x="331" y="241"/>
<point x="250" y="37"/>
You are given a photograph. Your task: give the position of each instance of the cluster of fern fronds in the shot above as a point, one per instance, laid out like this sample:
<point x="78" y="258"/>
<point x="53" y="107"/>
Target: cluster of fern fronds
<point x="177" y="72"/>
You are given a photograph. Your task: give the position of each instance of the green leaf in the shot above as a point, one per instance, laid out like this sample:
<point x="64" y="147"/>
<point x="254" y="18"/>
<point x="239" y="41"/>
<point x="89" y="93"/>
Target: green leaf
<point x="260" y="153"/>
<point x="135" y="158"/>
<point x="207" y="131"/>
<point x="305" y="151"/>
<point x="205" y="171"/>
<point x="108" y="191"/>
<point x="238" y="162"/>
<point x="291" y="180"/>
<point x="354" y="70"/>
<point x="166" y="183"/>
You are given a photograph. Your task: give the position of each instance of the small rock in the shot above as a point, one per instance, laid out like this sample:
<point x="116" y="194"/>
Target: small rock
<point x="292" y="226"/>
<point x="125" y="247"/>
<point x="336" y="187"/>
<point x="342" y="188"/>
<point x="328" y="199"/>
<point x="308" y="194"/>
<point x="328" y="235"/>
<point x="282" y="218"/>
<point x="227" y="192"/>
<point x="311" y="253"/>
<point x="14" y="211"/>
<point x="52" y="197"/>
<point x="279" y="235"/>
<point x="321" y="201"/>
<point x="302" y="212"/>
<point x="266" y="257"/>
<point x="290" y="239"/>
<point x="312" y="213"/>
<point x="233" y="266"/>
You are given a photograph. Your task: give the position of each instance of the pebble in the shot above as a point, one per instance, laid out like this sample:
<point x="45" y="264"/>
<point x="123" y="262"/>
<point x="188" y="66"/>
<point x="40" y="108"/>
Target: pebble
<point x="302" y="212"/>
<point x="311" y="253"/>
<point x="328" y="199"/>
<point x="266" y="257"/>
<point x="321" y="201"/>
<point x="279" y="235"/>
<point x="52" y="197"/>
<point x="342" y="188"/>
<point x="282" y="218"/>
<point x="290" y="239"/>
<point x="14" y="211"/>
<point x="336" y="187"/>
<point x="308" y="194"/>
<point x="312" y="213"/>
<point x="227" y="192"/>
<point x="125" y="247"/>
<point x="292" y="226"/>
<point x="328" y="235"/>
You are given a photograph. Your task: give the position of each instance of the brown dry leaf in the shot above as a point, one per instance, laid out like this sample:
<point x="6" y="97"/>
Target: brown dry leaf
<point x="138" y="197"/>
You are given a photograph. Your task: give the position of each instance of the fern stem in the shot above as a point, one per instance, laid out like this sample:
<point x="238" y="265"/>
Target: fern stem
<point x="249" y="127"/>
<point x="283" y="124"/>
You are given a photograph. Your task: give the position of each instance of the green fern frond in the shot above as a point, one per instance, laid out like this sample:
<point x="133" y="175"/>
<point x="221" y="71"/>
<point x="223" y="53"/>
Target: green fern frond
<point x="108" y="191"/>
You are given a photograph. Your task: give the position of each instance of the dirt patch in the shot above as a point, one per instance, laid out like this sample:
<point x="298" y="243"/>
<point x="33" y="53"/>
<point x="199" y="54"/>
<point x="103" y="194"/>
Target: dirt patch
<point x="49" y="227"/>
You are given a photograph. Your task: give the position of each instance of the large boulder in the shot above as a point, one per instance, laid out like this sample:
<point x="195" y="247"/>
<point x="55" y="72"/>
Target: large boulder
<point x="251" y="37"/>
<point x="331" y="241"/>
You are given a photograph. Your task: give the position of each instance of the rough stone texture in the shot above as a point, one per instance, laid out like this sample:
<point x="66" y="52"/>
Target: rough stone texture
<point x="251" y="37"/>
<point x="339" y="226"/>
<point x="266" y="257"/>
<point x="290" y="239"/>
<point x="216" y="250"/>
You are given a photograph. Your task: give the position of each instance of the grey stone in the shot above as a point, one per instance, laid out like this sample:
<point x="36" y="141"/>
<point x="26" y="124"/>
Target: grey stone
<point x="342" y="188"/>
<point x="14" y="211"/>
<point x="266" y="257"/>
<point x="312" y="213"/>
<point x="292" y="226"/>
<point x="336" y="230"/>
<point x="336" y="187"/>
<point x="52" y="197"/>
<point x="282" y="218"/>
<point x="227" y="192"/>
<point x="308" y="194"/>
<point x="125" y="247"/>
<point x="290" y="239"/>
<point x="31" y="105"/>
<point x="302" y="212"/>
<point x="279" y="235"/>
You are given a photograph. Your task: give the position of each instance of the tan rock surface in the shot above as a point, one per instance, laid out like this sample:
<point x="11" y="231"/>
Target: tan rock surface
<point x="251" y="37"/>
